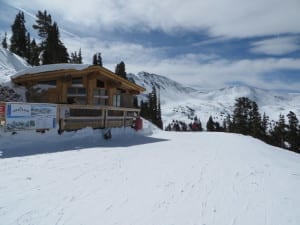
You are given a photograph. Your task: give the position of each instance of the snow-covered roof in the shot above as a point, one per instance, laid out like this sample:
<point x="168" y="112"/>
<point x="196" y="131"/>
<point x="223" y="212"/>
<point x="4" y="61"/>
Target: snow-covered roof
<point x="50" y="67"/>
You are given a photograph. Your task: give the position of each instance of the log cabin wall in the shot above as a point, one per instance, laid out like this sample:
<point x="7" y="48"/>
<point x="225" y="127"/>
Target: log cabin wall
<point x="90" y="86"/>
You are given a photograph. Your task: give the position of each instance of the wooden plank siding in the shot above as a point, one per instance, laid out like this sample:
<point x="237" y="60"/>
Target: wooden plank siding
<point x="61" y="81"/>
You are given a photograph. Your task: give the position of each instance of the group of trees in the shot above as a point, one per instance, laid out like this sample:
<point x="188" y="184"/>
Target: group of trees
<point x="177" y="125"/>
<point x="49" y="48"/>
<point x="150" y="109"/>
<point x="246" y="119"/>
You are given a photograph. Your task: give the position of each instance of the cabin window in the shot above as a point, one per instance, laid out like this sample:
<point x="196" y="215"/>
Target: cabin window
<point x="117" y="98"/>
<point x="48" y="82"/>
<point x="100" y="84"/>
<point x="77" y="95"/>
<point x="77" y="81"/>
<point x="100" y="96"/>
<point x="76" y="91"/>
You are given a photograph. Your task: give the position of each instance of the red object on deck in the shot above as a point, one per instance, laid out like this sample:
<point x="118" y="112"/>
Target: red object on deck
<point x="138" y="123"/>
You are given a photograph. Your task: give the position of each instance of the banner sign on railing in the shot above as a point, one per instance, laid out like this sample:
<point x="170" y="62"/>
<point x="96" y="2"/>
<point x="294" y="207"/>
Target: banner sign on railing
<point x="30" y="116"/>
<point x="2" y="110"/>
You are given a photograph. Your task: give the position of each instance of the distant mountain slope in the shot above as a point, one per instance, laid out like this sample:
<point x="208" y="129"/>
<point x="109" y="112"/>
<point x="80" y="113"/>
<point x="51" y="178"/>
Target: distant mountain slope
<point x="170" y="90"/>
<point x="181" y="103"/>
<point x="10" y="64"/>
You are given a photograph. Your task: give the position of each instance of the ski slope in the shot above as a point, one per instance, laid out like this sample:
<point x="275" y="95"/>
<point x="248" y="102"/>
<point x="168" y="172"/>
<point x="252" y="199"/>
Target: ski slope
<point x="150" y="178"/>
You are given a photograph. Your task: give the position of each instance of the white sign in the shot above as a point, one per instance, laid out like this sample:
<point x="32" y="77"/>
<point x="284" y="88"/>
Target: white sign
<point x="18" y="110"/>
<point x="30" y="116"/>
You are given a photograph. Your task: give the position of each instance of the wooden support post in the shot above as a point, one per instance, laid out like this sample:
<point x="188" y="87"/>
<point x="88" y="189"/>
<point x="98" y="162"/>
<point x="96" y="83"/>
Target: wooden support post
<point x="105" y="117"/>
<point x="124" y="118"/>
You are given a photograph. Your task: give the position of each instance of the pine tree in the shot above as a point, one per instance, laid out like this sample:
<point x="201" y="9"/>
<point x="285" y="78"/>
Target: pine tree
<point x="255" y="121"/>
<point x="264" y="128"/>
<point x="210" y="124"/>
<point x="159" y="122"/>
<point x="151" y="110"/>
<point x="97" y="59"/>
<point x="28" y="48"/>
<point x="55" y="51"/>
<point x="120" y="70"/>
<point x="43" y="24"/>
<point x="79" y="57"/>
<point x="293" y="132"/>
<point x="76" y="59"/>
<point x="246" y="118"/>
<point x="278" y="134"/>
<point x="34" y="56"/>
<point x="18" y="39"/>
<point x="4" y="41"/>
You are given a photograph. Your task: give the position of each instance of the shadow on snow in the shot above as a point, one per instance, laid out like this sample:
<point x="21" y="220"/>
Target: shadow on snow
<point x="44" y="145"/>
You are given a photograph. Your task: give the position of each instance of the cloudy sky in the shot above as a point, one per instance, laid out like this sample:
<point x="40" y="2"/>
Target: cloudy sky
<point x="205" y="43"/>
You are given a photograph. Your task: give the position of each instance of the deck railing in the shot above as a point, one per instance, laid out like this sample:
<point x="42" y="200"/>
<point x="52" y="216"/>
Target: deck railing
<point x="73" y="117"/>
<point x="15" y="116"/>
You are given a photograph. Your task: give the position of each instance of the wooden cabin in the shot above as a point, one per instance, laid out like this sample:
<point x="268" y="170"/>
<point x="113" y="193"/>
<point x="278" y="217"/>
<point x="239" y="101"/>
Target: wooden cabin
<point x="82" y="89"/>
<point x="80" y="84"/>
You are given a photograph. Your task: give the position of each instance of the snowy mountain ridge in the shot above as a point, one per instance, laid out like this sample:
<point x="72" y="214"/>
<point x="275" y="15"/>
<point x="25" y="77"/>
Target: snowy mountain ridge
<point x="179" y="102"/>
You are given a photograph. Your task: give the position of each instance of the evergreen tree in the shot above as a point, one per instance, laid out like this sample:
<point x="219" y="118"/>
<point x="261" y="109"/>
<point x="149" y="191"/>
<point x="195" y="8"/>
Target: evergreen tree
<point x="28" y="48"/>
<point x="159" y="122"/>
<point x="43" y="24"/>
<point x="246" y="118"/>
<point x="55" y="51"/>
<point x="4" y="41"/>
<point x="150" y="110"/>
<point x="278" y="134"/>
<point x="18" y="40"/>
<point x="76" y="59"/>
<point x="79" y="57"/>
<point x="293" y="132"/>
<point x="120" y="70"/>
<point x="97" y="59"/>
<point x="34" y="55"/>
<point x="210" y="124"/>
<point x="264" y="128"/>
<point x="255" y="121"/>
<point x="240" y="115"/>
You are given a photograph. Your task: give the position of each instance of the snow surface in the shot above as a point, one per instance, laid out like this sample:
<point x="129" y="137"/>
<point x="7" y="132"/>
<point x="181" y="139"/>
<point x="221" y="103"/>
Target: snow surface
<point x="50" y="67"/>
<point x="150" y="177"/>
<point x="10" y="64"/>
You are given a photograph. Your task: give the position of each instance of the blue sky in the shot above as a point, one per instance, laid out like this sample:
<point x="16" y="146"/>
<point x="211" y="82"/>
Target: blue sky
<point x="207" y="43"/>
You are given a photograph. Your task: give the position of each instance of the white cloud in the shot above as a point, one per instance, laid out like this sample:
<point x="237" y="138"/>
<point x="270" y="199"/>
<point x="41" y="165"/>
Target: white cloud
<point x="276" y="46"/>
<point x="209" y="71"/>
<point x="229" y="18"/>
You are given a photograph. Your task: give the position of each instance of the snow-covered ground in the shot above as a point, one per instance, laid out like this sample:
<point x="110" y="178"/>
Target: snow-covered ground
<point x="150" y="177"/>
